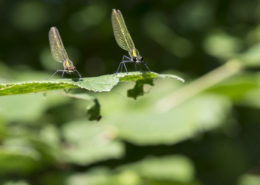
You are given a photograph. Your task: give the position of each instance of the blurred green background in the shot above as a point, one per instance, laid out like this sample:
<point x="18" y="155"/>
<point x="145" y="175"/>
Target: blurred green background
<point x="211" y="138"/>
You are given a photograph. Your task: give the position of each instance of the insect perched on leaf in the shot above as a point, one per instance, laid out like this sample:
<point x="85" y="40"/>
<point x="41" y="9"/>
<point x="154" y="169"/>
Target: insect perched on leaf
<point x="59" y="53"/>
<point x="125" y="41"/>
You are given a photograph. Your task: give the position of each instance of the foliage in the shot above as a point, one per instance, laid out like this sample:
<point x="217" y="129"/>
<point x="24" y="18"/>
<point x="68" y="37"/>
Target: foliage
<point x="96" y="84"/>
<point x="135" y="128"/>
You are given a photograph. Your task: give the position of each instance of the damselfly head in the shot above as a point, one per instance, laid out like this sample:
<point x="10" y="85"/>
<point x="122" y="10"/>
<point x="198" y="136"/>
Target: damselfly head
<point x="71" y="69"/>
<point x="138" y="59"/>
<point x="135" y="55"/>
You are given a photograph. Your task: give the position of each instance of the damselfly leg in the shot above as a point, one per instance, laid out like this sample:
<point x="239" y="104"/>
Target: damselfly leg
<point x="59" y="70"/>
<point x="122" y="64"/>
<point x="63" y="72"/>
<point x="78" y="74"/>
<point x="146" y="66"/>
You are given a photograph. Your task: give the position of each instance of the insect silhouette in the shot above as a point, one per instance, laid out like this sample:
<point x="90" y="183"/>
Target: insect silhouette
<point x="124" y="40"/>
<point x="59" y="53"/>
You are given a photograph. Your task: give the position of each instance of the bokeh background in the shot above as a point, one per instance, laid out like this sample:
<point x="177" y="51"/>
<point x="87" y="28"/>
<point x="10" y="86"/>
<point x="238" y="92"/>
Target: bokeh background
<point x="211" y="138"/>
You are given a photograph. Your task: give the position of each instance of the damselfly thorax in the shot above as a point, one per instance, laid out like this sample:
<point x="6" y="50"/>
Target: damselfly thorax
<point x="68" y="66"/>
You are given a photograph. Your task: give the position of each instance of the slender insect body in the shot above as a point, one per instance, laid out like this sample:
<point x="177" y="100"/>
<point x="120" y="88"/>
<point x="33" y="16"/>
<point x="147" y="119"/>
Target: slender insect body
<point x="125" y="41"/>
<point x="59" y="53"/>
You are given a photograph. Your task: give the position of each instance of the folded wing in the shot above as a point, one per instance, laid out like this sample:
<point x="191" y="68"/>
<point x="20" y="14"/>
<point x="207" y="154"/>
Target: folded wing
<point x="57" y="49"/>
<point x="121" y="33"/>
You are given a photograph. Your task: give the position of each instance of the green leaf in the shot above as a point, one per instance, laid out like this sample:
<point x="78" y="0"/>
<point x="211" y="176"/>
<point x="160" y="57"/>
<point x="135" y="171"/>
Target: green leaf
<point x="88" y="143"/>
<point x="170" y="168"/>
<point x="94" y="111"/>
<point x="222" y="45"/>
<point x="16" y="183"/>
<point x="100" y="176"/>
<point x="174" y="169"/>
<point x="236" y="87"/>
<point x="138" y="89"/>
<point x="27" y="107"/>
<point x="251" y="58"/>
<point x="18" y="160"/>
<point x="249" y="179"/>
<point x="24" y="151"/>
<point x="135" y="76"/>
<point x="96" y="84"/>
<point x="151" y="125"/>
<point x="141" y="80"/>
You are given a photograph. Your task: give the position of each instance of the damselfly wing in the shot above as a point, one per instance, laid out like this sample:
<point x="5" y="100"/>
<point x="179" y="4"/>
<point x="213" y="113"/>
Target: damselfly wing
<point x="125" y="41"/>
<point x="59" y="53"/>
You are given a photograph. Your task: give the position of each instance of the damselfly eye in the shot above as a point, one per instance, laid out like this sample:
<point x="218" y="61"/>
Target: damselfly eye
<point x="142" y="59"/>
<point x="134" y="59"/>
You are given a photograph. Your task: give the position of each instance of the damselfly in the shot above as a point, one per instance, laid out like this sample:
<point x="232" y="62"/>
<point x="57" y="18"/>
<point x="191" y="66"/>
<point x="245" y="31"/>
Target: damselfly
<point x="125" y="41"/>
<point x="59" y="53"/>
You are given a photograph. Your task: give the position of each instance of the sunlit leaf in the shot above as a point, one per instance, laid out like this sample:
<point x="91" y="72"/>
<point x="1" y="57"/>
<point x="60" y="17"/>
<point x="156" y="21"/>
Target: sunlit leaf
<point x="171" y="169"/>
<point x="16" y="183"/>
<point x="95" y="84"/>
<point x="87" y="143"/>
<point x="138" y="89"/>
<point x="27" y="107"/>
<point x="251" y="58"/>
<point x="222" y="45"/>
<point x="249" y="179"/>
<point x="20" y="160"/>
<point x="155" y="126"/>
<point x="236" y="87"/>
<point x="94" y="111"/>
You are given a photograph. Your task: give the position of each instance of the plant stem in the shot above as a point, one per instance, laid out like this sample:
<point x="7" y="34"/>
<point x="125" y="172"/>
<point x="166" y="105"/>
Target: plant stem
<point x="223" y="72"/>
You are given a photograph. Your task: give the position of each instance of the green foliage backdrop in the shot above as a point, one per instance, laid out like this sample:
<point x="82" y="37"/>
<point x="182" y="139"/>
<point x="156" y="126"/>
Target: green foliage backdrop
<point x="136" y="128"/>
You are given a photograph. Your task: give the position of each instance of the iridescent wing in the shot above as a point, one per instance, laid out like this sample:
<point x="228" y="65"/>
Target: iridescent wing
<point x="57" y="49"/>
<point x="121" y="33"/>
